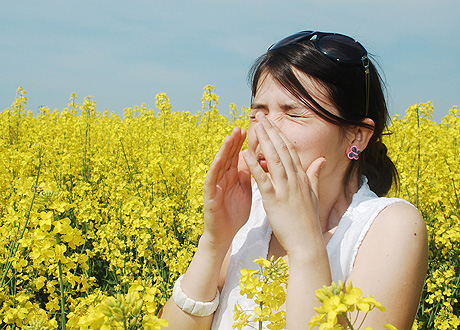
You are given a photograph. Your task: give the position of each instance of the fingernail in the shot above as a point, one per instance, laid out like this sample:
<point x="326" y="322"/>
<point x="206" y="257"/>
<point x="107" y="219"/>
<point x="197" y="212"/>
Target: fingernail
<point x="260" y="127"/>
<point x="245" y="153"/>
<point x="260" y="114"/>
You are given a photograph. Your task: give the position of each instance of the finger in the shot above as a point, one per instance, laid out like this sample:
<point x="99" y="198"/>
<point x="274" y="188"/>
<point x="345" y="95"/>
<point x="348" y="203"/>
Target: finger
<point x="263" y="181"/>
<point x="242" y="137"/>
<point x="285" y="148"/>
<point x="237" y="140"/>
<point x="313" y="172"/>
<point x="244" y="173"/>
<point x="230" y="155"/>
<point x="296" y="163"/>
<point x="238" y="163"/>
<point x="226" y="157"/>
<point x="220" y="161"/>
<point x="272" y="148"/>
<point x="213" y="173"/>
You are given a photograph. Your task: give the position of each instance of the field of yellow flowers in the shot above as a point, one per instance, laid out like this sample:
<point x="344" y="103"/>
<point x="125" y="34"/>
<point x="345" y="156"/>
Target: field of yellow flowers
<point x="94" y="206"/>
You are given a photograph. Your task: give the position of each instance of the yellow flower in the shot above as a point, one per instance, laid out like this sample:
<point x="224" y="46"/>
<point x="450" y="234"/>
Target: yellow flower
<point x="368" y="303"/>
<point x="151" y="322"/>
<point x="335" y="302"/>
<point x="332" y="306"/>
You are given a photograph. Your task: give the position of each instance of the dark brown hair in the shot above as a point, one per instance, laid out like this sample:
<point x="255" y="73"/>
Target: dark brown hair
<point x="346" y="87"/>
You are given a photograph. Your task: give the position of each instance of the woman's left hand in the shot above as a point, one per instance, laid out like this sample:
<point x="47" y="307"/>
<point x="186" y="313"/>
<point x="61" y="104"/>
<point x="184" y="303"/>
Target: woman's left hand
<point x="289" y="195"/>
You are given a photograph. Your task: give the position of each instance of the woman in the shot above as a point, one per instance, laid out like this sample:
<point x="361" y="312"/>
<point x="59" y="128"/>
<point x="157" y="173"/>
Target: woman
<point x="318" y="168"/>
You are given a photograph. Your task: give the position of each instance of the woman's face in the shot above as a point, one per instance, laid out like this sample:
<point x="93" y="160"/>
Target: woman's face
<point x="312" y="136"/>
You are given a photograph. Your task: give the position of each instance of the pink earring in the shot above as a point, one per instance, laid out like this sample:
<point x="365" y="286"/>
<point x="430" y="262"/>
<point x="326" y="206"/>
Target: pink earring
<point x="354" y="153"/>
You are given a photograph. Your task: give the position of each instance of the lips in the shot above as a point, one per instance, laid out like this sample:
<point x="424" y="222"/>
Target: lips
<point x="262" y="162"/>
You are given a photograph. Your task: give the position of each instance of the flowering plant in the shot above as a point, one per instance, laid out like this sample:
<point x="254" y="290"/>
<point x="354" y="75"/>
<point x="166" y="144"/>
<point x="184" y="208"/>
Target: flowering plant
<point x="337" y="302"/>
<point x="131" y="311"/>
<point x="267" y="287"/>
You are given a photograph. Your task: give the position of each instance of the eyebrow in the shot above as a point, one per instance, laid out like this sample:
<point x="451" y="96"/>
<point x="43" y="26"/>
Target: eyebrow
<point x="291" y="106"/>
<point x="284" y="106"/>
<point x="257" y="106"/>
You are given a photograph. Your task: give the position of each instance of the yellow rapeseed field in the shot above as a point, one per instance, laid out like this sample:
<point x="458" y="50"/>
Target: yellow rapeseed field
<point x="100" y="214"/>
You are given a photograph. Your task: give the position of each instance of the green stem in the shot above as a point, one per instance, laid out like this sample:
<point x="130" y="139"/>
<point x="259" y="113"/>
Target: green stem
<point x="131" y="177"/>
<point x="350" y="326"/>
<point x="61" y="286"/>
<point x="364" y="318"/>
<point x="418" y="163"/>
<point x="86" y="165"/>
<point x="125" y="318"/>
<point x="137" y="316"/>
<point x="260" y="322"/>
<point x="15" y="249"/>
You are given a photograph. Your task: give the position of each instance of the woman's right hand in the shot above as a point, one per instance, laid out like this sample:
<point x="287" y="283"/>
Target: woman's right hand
<point x="227" y="203"/>
<point x="227" y="192"/>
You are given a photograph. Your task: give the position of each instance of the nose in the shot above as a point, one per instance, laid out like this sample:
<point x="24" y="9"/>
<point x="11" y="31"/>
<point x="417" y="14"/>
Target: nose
<point x="273" y="117"/>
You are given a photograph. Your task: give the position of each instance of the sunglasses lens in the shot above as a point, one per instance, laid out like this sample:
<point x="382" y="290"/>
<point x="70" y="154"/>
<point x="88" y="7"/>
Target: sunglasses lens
<point x="341" y="48"/>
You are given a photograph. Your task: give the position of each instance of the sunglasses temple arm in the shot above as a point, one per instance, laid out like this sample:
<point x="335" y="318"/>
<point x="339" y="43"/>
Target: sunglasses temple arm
<point x="365" y="61"/>
<point x="368" y="88"/>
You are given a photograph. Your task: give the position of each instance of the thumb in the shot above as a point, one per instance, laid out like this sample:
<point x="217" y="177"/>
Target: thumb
<point x="313" y="173"/>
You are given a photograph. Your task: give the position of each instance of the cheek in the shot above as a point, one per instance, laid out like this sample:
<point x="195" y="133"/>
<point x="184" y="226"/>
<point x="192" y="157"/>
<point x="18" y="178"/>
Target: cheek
<point x="308" y="145"/>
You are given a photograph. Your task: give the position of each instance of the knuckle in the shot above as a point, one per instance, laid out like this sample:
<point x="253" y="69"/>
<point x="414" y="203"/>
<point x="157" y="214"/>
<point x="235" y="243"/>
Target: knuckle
<point x="277" y="160"/>
<point x="284" y="147"/>
<point x="264" y="179"/>
<point x="290" y="145"/>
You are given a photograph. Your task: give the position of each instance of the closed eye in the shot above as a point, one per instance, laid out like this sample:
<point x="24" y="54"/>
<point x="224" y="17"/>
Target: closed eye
<point x="294" y="110"/>
<point x="255" y="108"/>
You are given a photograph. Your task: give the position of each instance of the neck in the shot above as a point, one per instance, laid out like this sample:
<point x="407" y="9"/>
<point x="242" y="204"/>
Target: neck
<point x="334" y="202"/>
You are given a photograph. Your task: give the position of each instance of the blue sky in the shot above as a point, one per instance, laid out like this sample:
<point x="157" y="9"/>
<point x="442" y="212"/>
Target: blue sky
<point x="125" y="52"/>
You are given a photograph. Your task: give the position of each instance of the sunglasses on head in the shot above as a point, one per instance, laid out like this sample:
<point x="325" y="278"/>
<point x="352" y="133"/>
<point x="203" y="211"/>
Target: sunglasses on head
<point x="338" y="47"/>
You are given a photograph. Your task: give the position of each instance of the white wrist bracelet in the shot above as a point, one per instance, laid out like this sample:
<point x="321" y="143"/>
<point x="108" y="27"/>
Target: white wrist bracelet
<point x="190" y="306"/>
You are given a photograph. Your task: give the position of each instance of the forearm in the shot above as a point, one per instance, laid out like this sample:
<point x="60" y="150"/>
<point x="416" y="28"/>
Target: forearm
<point x="306" y="275"/>
<point x="200" y="283"/>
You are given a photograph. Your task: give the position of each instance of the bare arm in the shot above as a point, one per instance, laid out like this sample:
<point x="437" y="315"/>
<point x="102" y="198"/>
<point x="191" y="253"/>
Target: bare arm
<point x="200" y="283"/>
<point x="227" y="202"/>
<point x="391" y="265"/>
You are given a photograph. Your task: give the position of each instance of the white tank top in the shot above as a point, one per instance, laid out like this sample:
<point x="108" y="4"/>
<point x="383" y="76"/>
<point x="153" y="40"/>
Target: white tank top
<point x="253" y="239"/>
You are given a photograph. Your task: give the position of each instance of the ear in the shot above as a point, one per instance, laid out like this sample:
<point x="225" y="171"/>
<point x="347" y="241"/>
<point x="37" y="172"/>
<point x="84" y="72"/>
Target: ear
<point x="362" y="135"/>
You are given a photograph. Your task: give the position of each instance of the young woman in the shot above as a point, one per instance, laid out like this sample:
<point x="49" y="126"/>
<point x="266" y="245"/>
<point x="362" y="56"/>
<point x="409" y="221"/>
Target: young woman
<point x="319" y="172"/>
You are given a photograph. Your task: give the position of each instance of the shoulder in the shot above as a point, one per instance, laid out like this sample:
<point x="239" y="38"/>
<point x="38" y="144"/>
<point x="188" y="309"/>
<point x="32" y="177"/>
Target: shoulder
<point x="397" y="240"/>
<point x="392" y="261"/>
<point x="401" y="219"/>
<point x="398" y="232"/>
<point x="399" y="225"/>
